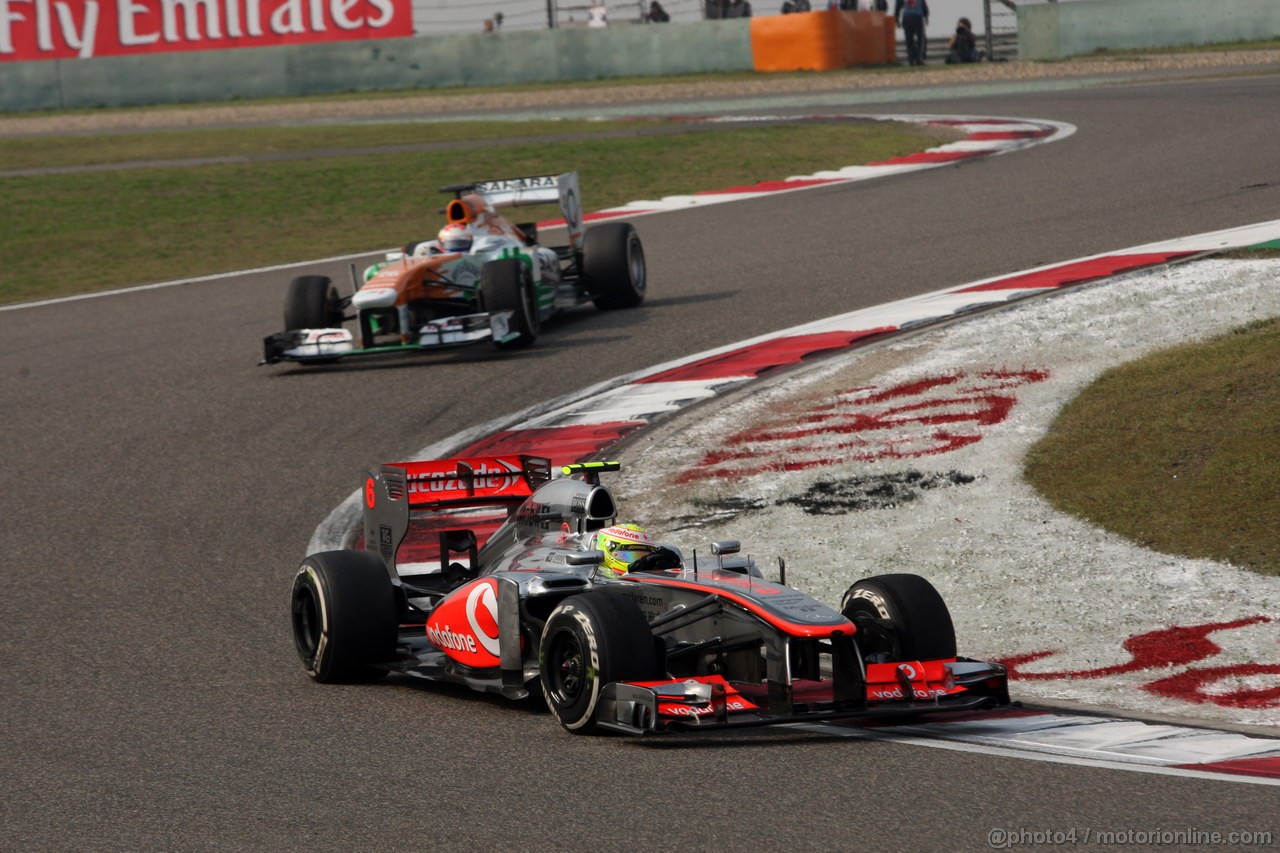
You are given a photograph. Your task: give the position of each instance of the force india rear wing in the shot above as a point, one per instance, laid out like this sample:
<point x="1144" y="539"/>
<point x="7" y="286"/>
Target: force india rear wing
<point x="540" y="189"/>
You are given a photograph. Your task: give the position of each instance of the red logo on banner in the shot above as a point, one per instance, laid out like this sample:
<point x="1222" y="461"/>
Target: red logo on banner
<point x="69" y="29"/>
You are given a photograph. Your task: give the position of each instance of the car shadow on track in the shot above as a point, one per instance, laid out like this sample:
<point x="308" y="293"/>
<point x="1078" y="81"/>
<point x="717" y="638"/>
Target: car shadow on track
<point x="735" y="739"/>
<point x="535" y="708"/>
<point x="690" y="299"/>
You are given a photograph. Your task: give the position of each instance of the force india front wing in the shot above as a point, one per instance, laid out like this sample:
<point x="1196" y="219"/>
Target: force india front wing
<point x="325" y="345"/>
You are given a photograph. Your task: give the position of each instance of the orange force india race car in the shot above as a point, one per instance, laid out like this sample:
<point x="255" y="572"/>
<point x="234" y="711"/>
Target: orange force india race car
<point x="502" y="589"/>
<point x="483" y="278"/>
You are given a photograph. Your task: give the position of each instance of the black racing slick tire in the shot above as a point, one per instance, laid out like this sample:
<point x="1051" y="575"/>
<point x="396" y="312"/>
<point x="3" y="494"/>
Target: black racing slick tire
<point x="588" y="641"/>
<point x="506" y="286"/>
<point x="899" y="618"/>
<point x="613" y="266"/>
<point x="344" y="616"/>
<point x="312" y="303"/>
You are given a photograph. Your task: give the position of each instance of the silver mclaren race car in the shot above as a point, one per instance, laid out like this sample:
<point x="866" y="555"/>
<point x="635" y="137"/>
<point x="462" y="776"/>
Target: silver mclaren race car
<point x="486" y="572"/>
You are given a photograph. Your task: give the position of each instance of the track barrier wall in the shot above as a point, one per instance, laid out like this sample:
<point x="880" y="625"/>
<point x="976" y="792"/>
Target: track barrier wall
<point x="480" y="59"/>
<point x="813" y="41"/>
<point x="1061" y="30"/>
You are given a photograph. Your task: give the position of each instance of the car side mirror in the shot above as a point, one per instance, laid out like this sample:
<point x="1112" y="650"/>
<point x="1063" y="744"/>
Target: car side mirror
<point x="726" y="546"/>
<point x="585" y="558"/>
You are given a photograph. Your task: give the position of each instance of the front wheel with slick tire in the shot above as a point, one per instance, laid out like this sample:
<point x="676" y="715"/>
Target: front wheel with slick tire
<point x="344" y="616"/>
<point x="899" y="618"/>
<point x="312" y="302"/>
<point x="590" y="640"/>
<point x="613" y="266"/>
<point x="506" y="286"/>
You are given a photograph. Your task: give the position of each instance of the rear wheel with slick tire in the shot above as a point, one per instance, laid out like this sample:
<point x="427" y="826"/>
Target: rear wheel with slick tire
<point x="506" y="286"/>
<point x="613" y="266"/>
<point x="590" y="640"/>
<point x="312" y="302"/>
<point x="344" y="616"/>
<point x="899" y="618"/>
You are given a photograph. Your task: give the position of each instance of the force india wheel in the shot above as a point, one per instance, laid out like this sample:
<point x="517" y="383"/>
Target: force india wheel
<point x="590" y="640"/>
<point x="506" y="287"/>
<point x="344" y="616"/>
<point x="312" y="303"/>
<point x="899" y="618"/>
<point x="613" y="266"/>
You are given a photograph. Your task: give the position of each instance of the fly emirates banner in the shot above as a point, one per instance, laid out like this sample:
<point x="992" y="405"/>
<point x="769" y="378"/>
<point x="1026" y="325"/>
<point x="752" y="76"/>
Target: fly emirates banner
<point x="70" y="29"/>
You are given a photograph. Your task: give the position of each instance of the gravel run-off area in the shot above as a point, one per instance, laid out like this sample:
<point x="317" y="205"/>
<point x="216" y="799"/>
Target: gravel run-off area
<point x="909" y="459"/>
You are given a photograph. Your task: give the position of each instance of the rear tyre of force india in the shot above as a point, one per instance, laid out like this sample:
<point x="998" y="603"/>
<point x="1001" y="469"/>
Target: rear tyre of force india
<point x="344" y="616"/>
<point x="312" y="303"/>
<point x="613" y="266"/>
<point x="589" y="641"/>
<point x="507" y="287"/>
<point x="899" y="618"/>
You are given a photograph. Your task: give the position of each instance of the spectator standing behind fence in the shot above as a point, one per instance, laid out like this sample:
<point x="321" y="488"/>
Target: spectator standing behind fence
<point x="912" y="15"/>
<point x="657" y="14"/>
<point x="963" y="46"/>
<point x="791" y="6"/>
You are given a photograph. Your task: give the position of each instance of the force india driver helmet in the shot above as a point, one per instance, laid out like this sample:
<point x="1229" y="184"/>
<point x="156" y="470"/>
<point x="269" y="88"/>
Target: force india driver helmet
<point x="455" y="237"/>
<point x="622" y="545"/>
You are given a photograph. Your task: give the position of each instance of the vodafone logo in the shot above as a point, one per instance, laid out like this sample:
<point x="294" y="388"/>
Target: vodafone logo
<point x="448" y="639"/>
<point x="896" y="693"/>
<point x="465" y="624"/>
<point x="482" y="615"/>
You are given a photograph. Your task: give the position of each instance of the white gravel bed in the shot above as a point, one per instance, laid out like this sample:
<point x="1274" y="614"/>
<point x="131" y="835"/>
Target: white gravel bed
<point x="1019" y="576"/>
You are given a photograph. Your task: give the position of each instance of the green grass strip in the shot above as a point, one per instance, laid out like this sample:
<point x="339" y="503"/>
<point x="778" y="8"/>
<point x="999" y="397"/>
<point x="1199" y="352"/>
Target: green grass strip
<point x="99" y="230"/>
<point x="1179" y="451"/>
<point x="55" y="151"/>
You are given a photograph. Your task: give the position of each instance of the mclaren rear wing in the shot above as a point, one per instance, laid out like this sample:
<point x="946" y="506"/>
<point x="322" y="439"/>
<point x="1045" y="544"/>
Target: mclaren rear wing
<point x="399" y="487"/>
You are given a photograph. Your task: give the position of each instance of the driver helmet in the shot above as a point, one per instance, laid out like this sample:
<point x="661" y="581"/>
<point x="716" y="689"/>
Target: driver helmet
<point x="622" y="545"/>
<point x="455" y="237"/>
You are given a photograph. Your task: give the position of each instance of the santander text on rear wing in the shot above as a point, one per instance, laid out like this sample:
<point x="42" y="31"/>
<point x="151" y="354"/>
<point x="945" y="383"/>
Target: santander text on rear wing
<point x="482" y="478"/>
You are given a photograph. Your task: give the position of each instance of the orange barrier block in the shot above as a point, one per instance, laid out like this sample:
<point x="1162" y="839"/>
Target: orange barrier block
<point x="821" y="41"/>
<point x="805" y="42"/>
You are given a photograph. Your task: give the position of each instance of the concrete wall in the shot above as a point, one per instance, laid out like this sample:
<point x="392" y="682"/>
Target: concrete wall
<point x="1059" y="30"/>
<point x="477" y="59"/>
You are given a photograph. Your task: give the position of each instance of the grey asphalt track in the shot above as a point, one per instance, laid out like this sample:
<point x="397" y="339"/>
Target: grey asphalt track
<point x="159" y="489"/>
